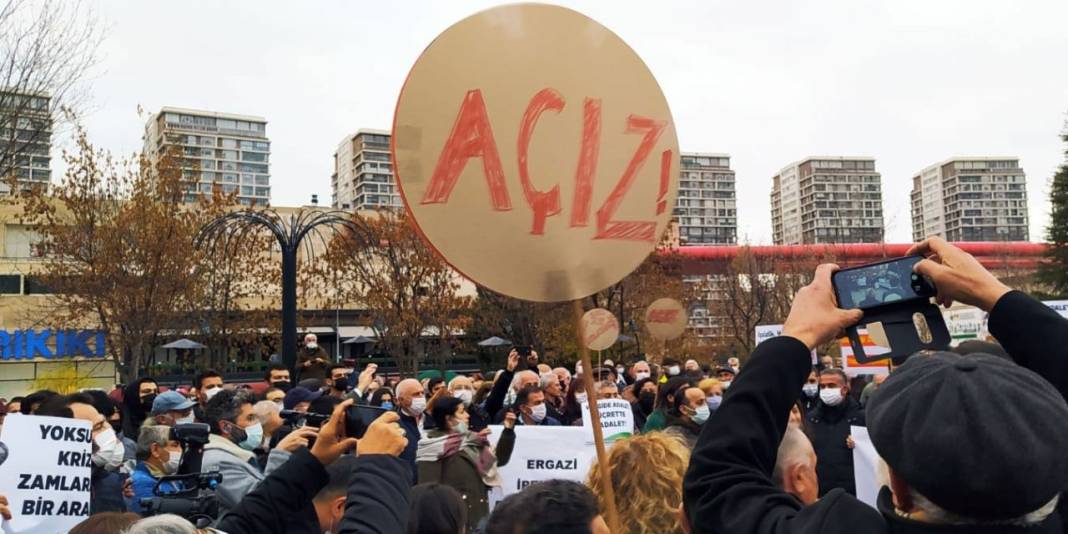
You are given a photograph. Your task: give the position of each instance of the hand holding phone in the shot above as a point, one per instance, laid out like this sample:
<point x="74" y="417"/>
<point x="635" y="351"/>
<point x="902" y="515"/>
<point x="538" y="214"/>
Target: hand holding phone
<point x="878" y="284"/>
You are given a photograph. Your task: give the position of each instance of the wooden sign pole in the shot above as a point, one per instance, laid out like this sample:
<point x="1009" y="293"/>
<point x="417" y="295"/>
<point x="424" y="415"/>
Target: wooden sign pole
<point x="595" y="421"/>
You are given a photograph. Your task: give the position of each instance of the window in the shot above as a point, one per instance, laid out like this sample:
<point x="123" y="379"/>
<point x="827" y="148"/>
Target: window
<point x="253" y="156"/>
<point x="263" y="191"/>
<point x="229" y="143"/>
<point x="262" y="180"/>
<point x="34" y="286"/>
<point x="246" y="190"/>
<point x="10" y="284"/>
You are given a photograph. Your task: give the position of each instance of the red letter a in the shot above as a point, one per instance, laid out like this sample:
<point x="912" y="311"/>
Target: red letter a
<point x="471" y="137"/>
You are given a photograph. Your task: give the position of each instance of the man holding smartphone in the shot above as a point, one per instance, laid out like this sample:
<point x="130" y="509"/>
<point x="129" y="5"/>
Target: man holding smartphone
<point x="972" y="444"/>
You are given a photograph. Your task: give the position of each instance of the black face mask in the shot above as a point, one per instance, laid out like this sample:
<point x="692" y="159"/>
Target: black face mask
<point x="146" y="402"/>
<point x="341" y="383"/>
<point x="283" y="385"/>
<point x="646" y="400"/>
<point x="116" y="424"/>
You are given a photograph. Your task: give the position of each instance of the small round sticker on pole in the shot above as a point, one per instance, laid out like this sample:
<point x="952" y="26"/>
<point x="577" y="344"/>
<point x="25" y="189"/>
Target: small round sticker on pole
<point x="600" y="329"/>
<point x="536" y="152"/>
<point x="666" y="319"/>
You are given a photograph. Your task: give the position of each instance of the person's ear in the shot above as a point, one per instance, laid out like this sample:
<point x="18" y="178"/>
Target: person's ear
<point x="337" y="508"/>
<point x="902" y="495"/>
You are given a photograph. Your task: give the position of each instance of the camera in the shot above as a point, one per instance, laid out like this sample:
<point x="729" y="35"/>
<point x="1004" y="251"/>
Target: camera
<point x="297" y="419"/>
<point x="195" y="497"/>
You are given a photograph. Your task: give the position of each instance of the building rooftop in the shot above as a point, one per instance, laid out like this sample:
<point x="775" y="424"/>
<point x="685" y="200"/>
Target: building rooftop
<point x="216" y="114"/>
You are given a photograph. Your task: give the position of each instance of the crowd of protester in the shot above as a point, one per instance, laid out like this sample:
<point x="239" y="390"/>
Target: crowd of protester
<point x="972" y="440"/>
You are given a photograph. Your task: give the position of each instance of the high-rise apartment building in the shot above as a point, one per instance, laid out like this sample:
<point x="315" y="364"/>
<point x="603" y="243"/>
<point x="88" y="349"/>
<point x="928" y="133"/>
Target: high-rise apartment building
<point x="827" y="200"/>
<point x="25" y="138"/>
<point x="363" y="173"/>
<point x="222" y="150"/>
<point x="971" y="199"/>
<point x="706" y="207"/>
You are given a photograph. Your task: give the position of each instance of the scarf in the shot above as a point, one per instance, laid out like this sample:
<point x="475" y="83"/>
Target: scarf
<point x="438" y="445"/>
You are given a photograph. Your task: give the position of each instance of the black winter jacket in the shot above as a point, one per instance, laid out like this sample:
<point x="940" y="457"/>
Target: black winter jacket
<point x="728" y="486"/>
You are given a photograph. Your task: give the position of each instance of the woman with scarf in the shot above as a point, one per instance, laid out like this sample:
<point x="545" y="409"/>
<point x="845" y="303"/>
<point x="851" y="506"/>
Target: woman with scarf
<point x="454" y="456"/>
<point x="137" y="401"/>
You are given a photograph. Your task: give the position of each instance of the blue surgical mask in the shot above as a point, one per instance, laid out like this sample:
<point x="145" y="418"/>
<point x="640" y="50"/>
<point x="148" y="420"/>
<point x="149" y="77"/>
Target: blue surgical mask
<point x="701" y="415"/>
<point x="387" y="405"/>
<point x="460" y="427"/>
<point x="253" y="437"/>
<point x="714" y="402"/>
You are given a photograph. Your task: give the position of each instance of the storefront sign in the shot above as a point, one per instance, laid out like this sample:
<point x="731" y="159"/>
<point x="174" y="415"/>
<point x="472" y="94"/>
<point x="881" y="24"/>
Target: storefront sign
<point x="48" y="343"/>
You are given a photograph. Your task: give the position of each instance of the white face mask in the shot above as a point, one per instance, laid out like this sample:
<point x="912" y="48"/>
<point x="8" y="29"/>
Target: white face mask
<point x="209" y="393"/>
<point x="466" y="395"/>
<point x="580" y="398"/>
<point x="673" y="370"/>
<point x="831" y="396"/>
<point x="418" y="406"/>
<point x="313" y="345"/>
<point x="170" y="467"/>
<point x="811" y="390"/>
<point x="726" y="384"/>
<point x="619" y="370"/>
<point x="578" y="370"/>
<point x="109" y="450"/>
<point x="641" y="375"/>
<point x="537" y="413"/>
<point x="185" y="420"/>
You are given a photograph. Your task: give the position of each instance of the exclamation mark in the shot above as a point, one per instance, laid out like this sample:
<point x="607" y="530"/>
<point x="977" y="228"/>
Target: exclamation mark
<point x="665" y="179"/>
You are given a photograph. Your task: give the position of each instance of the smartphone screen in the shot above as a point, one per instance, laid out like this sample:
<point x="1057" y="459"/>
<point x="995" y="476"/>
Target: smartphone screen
<point x="358" y="417"/>
<point x="873" y="285"/>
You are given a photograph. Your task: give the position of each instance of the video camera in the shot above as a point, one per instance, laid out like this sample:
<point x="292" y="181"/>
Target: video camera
<point x="190" y="493"/>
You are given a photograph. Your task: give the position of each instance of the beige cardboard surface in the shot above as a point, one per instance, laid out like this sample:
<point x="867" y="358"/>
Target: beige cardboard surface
<point x="600" y="329"/>
<point x="666" y="319"/>
<point x="536" y="152"/>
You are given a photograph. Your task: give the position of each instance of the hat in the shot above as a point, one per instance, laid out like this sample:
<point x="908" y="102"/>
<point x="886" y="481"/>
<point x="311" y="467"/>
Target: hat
<point x="298" y="395"/>
<point x="975" y="346"/>
<point x="170" y="401"/>
<point x="977" y="435"/>
<point x="310" y="384"/>
<point x="725" y="370"/>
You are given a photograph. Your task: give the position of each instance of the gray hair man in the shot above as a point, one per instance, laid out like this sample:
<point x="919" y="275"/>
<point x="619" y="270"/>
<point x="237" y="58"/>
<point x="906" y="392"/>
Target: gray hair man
<point x="795" y="466"/>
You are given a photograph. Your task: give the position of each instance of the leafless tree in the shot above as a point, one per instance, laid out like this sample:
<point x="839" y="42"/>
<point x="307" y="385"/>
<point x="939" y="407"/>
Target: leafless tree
<point x="47" y="49"/>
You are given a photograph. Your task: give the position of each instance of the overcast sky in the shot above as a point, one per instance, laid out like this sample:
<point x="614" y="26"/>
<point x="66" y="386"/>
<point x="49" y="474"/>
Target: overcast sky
<point x="909" y="83"/>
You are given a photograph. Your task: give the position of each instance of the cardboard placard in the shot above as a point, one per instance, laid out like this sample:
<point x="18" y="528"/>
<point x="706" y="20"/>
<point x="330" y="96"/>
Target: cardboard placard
<point x="617" y="419"/>
<point x="666" y="319"/>
<point x="600" y="329"/>
<point x="46" y="473"/>
<point x="535" y="152"/>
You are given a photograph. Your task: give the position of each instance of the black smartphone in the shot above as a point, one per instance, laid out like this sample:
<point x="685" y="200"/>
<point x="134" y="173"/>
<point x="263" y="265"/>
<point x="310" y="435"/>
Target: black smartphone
<point x="877" y="284"/>
<point x="523" y="350"/>
<point x="360" y="416"/>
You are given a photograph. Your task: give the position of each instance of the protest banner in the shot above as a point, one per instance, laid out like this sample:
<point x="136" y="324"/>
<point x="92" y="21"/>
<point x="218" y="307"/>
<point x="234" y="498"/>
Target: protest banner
<point x="1059" y="306"/>
<point x="545" y="453"/>
<point x="46" y="476"/>
<point x="865" y="466"/>
<point x="666" y="319"/>
<point x="600" y="329"/>
<point x="542" y="133"/>
<point x="965" y="323"/>
<point x="850" y="364"/>
<point x="617" y="419"/>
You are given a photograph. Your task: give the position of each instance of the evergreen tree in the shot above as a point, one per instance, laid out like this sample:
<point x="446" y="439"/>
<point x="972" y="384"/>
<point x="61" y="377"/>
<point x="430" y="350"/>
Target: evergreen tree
<point x="1054" y="272"/>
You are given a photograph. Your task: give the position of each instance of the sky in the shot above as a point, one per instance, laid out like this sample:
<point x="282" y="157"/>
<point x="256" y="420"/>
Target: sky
<point x="908" y="82"/>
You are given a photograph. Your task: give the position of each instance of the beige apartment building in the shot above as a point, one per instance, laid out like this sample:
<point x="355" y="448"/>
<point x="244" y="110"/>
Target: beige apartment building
<point x="827" y="199"/>
<point x="363" y="173"/>
<point x="224" y="150"/>
<point x="971" y="199"/>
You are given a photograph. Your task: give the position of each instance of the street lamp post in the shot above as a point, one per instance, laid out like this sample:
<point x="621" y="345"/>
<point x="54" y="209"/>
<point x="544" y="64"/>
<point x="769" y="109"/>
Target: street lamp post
<point x="231" y="229"/>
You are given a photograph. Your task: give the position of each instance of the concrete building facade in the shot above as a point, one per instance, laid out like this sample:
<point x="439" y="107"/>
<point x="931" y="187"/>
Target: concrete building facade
<point x="363" y="173"/>
<point x="971" y="199"/>
<point x="25" y="138"/>
<point x="706" y="207"/>
<point x="828" y="199"/>
<point x="224" y="150"/>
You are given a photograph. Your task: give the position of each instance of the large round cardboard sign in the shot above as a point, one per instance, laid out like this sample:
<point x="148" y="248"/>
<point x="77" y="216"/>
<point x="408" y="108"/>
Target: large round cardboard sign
<point x="666" y="319"/>
<point x="536" y="152"/>
<point x="600" y="329"/>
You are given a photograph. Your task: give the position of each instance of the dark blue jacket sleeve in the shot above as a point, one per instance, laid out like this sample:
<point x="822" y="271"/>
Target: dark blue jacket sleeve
<point x="728" y="486"/>
<point x="279" y="498"/>
<point x="1034" y="335"/>
<point x="378" y="496"/>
